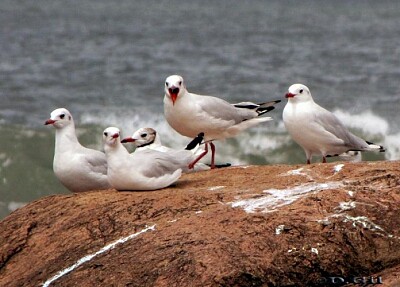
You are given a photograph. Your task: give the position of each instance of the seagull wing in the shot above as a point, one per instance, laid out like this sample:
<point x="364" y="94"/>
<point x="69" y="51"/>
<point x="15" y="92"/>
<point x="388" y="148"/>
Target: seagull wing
<point x="223" y="111"/>
<point x="330" y="123"/>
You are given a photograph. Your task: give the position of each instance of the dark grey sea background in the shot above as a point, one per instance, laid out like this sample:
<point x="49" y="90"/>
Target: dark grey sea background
<point x="106" y="61"/>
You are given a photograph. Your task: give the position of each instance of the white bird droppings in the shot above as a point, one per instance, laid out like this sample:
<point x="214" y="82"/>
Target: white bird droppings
<point x="338" y="167"/>
<point x="279" y="229"/>
<point x="91" y="256"/>
<point x="212" y="188"/>
<point x="276" y="198"/>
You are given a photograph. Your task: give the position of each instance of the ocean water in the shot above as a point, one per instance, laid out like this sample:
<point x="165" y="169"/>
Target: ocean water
<point x="106" y="61"/>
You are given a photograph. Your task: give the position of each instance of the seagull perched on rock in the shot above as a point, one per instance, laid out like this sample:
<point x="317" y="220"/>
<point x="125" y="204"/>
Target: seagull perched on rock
<point x="317" y="130"/>
<point x="189" y="114"/>
<point x="77" y="167"/>
<point x="144" y="170"/>
<point x="148" y="138"/>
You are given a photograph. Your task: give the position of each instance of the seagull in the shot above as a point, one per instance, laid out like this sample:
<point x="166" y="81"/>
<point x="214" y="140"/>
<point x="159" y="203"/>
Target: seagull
<point x="145" y="170"/>
<point x="148" y="138"/>
<point x="316" y="130"/>
<point x="77" y="167"/>
<point x="190" y="114"/>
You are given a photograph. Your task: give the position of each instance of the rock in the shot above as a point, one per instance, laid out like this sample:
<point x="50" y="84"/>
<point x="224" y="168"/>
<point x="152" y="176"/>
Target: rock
<point x="274" y="225"/>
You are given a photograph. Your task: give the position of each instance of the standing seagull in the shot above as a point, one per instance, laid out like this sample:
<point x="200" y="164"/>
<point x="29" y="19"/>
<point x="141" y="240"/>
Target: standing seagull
<point x="316" y="130"/>
<point x="78" y="168"/>
<point x="148" y="138"/>
<point x="145" y="170"/>
<point x="189" y="114"/>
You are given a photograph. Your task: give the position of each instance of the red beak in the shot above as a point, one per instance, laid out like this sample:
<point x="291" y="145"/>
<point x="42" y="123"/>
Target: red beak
<point x="289" y="95"/>
<point x="173" y="93"/>
<point x="49" y="122"/>
<point x="128" y="140"/>
<point x="114" y="136"/>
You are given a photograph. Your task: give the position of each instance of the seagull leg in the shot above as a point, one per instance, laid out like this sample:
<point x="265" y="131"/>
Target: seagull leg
<point x="323" y="159"/>
<point x="212" y="155"/>
<point x="308" y="156"/>
<point x="191" y="165"/>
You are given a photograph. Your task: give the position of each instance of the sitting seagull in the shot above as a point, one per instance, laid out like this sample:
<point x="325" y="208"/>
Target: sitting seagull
<point x="77" y="167"/>
<point x="189" y="114"/>
<point x="316" y="130"/>
<point x="145" y="170"/>
<point x="148" y="138"/>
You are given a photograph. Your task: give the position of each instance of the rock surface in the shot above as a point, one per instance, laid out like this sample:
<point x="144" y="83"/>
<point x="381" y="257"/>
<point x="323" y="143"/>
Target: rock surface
<point x="274" y="225"/>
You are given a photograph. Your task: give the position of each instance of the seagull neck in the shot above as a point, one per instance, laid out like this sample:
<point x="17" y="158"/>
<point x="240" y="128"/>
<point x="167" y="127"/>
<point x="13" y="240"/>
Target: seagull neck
<point x="118" y="149"/>
<point x="157" y="141"/>
<point x="66" y="138"/>
<point x="153" y="142"/>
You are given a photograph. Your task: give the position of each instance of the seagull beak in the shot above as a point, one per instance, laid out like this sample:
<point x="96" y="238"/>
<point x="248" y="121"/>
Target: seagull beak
<point x="289" y="95"/>
<point x="49" y="122"/>
<point x="173" y="91"/>
<point x="128" y="140"/>
<point x="114" y="136"/>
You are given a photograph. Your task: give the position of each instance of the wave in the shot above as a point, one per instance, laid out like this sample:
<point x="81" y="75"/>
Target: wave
<point x="266" y="143"/>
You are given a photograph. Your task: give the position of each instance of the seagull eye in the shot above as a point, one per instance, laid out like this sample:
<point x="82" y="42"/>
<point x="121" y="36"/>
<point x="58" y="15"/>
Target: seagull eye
<point x="301" y="91"/>
<point x="180" y="83"/>
<point x="143" y="135"/>
<point x="166" y="84"/>
<point x="62" y="116"/>
<point x="105" y="133"/>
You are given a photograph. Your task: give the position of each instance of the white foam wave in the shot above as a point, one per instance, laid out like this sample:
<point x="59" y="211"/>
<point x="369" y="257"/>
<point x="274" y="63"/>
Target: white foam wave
<point x="128" y="121"/>
<point x="392" y="145"/>
<point x="251" y="146"/>
<point x="373" y="126"/>
<point x="369" y="123"/>
<point x="14" y="205"/>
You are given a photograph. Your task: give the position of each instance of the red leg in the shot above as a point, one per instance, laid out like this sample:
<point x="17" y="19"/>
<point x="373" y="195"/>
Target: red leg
<point x="191" y="165"/>
<point x="308" y="161"/>
<point x="212" y="155"/>
<point x="323" y="159"/>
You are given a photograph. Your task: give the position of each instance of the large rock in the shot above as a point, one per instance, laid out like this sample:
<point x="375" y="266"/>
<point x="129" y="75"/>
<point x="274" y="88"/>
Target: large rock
<point x="243" y="226"/>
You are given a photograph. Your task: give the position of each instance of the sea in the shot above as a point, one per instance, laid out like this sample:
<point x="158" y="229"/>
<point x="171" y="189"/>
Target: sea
<point x="107" y="61"/>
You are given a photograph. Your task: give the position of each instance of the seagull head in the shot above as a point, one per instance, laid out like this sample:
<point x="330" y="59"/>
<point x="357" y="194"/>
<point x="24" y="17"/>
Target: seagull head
<point x="298" y="93"/>
<point x="142" y="137"/>
<point x="111" y="136"/>
<point x="174" y="87"/>
<point x="59" y="118"/>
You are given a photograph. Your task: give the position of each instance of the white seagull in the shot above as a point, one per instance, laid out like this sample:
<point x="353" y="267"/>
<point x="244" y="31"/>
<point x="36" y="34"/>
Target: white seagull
<point x="148" y="138"/>
<point x="316" y="130"/>
<point x="189" y="114"/>
<point x="77" y="167"/>
<point x="145" y="170"/>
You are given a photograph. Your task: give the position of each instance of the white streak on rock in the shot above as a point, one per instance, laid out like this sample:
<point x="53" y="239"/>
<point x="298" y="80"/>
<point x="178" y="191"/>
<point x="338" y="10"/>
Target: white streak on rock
<point x="216" y="187"/>
<point x="338" y="167"/>
<point x="91" y="256"/>
<point x="348" y="205"/>
<point x="280" y="197"/>
<point x="279" y="229"/>
<point x="298" y="172"/>
<point x="364" y="222"/>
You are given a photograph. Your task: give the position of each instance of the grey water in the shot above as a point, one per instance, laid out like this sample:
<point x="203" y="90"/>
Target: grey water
<point x="106" y="61"/>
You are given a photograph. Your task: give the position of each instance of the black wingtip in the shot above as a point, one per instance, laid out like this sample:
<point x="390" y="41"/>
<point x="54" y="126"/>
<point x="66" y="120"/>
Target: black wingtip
<point x="221" y="165"/>
<point x="195" y="142"/>
<point x="266" y="107"/>
<point x="376" y="146"/>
